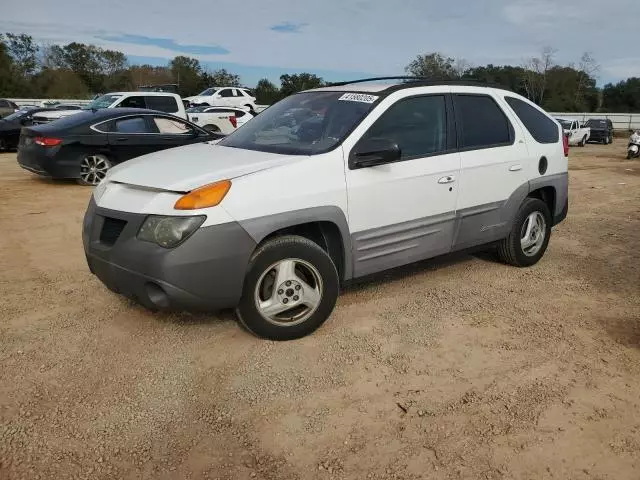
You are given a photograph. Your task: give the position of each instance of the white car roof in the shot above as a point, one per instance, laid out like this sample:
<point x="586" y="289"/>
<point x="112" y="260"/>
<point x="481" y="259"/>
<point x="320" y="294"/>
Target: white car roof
<point x="146" y="94"/>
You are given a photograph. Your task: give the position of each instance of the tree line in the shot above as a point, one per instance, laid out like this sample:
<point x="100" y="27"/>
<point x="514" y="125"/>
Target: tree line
<point x="78" y="70"/>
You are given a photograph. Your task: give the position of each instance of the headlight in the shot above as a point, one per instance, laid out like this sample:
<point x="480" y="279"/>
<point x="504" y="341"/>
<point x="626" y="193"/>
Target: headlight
<point x="169" y="232"/>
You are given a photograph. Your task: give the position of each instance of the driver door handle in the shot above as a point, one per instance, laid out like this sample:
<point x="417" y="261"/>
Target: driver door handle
<point x="447" y="179"/>
<point x="515" y="168"/>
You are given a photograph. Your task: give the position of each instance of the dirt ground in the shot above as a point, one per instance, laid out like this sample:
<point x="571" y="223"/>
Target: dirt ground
<point x="455" y="368"/>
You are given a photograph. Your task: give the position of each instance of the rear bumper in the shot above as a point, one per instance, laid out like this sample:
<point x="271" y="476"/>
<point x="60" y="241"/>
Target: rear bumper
<point x="46" y="161"/>
<point x="205" y="273"/>
<point x="598" y="136"/>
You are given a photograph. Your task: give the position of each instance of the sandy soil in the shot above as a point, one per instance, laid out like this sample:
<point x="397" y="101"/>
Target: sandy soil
<point x="456" y="368"/>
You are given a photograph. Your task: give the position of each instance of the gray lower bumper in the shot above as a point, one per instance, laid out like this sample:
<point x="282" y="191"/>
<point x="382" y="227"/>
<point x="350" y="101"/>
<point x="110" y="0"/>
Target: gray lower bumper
<point x="206" y="272"/>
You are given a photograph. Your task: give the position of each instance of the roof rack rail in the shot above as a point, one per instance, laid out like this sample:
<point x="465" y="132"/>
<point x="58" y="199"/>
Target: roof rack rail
<point x="373" y="79"/>
<point x="422" y="81"/>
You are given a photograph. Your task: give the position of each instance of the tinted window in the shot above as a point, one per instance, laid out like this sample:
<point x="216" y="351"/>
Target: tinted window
<point x="162" y="104"/>
<point x="4" y="103"/>
<point x="170" y="126"/>
<point x="220" y="110"/>
<point x="133" y="102"/>
<point x="541" y="127"/>
<point x="480" y="121"/>
<point x="131" y="125"/>
<point x="226" y="92"/>
<point x="418" y="125"/>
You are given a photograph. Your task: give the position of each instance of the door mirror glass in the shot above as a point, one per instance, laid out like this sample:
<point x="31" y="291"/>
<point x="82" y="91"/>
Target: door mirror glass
<point x="374" y="151"/>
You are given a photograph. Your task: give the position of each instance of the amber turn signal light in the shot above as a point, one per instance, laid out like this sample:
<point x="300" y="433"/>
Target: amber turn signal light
<point x="204" y="197"/>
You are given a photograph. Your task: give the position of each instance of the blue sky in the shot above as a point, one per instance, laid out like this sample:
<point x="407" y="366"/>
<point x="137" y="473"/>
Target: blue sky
<point x="339" y="39"/>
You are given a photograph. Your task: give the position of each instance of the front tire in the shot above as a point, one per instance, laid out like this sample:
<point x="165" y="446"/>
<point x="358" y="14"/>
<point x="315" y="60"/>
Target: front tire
<point x="290" y="289"/>
<point x="93" y="168"/>
<point x="529" y="236"/>
<point x="583" y="142"/>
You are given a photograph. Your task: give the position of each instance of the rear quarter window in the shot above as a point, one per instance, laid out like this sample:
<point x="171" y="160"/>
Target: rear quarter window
<point x="481" y="122"/>
<point x="541" y="127"/>
<point x="162" y="104"/>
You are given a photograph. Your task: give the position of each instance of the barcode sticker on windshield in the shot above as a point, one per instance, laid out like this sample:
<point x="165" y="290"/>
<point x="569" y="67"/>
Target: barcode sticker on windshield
<point x="358" y="97"/>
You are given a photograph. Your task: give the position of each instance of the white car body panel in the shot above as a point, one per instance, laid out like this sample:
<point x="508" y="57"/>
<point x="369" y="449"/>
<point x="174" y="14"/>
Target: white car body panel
<point x="182" y="169"/>
<point x="213" y="116"/>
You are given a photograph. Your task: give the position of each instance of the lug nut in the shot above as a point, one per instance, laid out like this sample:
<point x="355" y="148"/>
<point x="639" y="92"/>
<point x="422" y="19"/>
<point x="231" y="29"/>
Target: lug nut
<point x="296" y="298"/>
<point x="285" y="300"/>
<point x="298" y="287"/>
<point x="288" y="283"/>
<point x="280" y="292"/>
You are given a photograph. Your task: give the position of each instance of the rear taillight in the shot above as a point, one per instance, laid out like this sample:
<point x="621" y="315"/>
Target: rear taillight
<point x="47" y="141"/>
<point x="234" y="121"/>
<point x="565" y="145"/>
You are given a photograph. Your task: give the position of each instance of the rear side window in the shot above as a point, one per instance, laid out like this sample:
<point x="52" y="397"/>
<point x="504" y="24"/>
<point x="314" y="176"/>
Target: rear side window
<point x="162" y="104"/>
<point x="481" y="122"/>
<point x="133" y="102"/>
<point x="131" y="125"/>
<point x="418" y="125"/>
<point x="541" y="127"/>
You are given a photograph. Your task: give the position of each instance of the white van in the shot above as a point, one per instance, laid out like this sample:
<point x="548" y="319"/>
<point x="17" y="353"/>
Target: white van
<point x="323" y="187"/>
<point x="160" y="101"/>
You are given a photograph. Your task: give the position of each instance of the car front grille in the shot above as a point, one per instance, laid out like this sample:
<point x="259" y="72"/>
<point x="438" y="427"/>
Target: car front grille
<point x="111" y="230"/>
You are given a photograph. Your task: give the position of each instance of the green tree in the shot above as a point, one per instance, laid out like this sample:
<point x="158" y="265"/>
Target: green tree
<point x="266" y="92"/>
<point x="24" y="52"/>
<point x="434" y="66"/>
<point x="623" y="97"/>
<point x="187" y="72"/>
<point x="220" y="78"/>
<point x="297" y="82"/>
<point x="59" y="83"/>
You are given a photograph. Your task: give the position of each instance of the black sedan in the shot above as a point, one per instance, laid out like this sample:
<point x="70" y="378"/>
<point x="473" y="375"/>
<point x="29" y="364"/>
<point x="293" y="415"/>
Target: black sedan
<point x="11" y="125"/>
<point x="85" y="145"/>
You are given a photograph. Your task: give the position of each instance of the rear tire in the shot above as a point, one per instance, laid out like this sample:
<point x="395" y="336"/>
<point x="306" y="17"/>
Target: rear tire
<point x="290" y="289"/>
<point x="583" y="142"/>
<point x="212" y="128"/>
<point x="3" y="145"/>
<point x="529" y="236"/>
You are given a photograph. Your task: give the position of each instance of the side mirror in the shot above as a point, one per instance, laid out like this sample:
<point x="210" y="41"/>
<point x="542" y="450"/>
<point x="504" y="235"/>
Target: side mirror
<point x="372" y="152"/>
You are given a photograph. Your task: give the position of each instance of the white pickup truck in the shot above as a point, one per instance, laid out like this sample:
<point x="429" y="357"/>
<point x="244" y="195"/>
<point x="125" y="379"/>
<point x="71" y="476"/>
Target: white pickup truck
<point x="160" y="101"/>
<point x="575" y="131"/>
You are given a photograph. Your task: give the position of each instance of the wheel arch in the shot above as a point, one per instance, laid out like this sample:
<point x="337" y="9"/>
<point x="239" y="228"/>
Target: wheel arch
<point x="325" y="226"/>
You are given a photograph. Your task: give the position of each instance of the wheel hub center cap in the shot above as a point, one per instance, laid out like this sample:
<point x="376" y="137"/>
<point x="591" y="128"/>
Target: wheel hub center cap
<point x="290" y="292"/>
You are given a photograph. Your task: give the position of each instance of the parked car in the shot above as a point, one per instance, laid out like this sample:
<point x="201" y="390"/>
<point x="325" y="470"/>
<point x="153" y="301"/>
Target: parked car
<point x="7" y="107"/>
<point x="219" y="119"/>
<point x="601" y="130"/>
<point x="224" y="97"/>
<point x="163" y="87"/>
<point x="11" y="125"/>
<point x="85" y="146"/>
<point x="160" y="101"/>
<point x="273" y="218"/>
<point x="576" y="133"/>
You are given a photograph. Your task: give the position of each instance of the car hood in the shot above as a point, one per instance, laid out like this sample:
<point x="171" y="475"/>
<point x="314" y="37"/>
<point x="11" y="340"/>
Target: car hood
<point x="184" y="168"/>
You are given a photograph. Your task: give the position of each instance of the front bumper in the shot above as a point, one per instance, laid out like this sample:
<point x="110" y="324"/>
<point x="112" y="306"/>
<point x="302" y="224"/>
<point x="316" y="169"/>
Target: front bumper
<point x="205" y="273"/>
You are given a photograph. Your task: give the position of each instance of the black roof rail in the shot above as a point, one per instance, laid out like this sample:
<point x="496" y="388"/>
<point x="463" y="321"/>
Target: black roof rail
<point x="422" y="82"/>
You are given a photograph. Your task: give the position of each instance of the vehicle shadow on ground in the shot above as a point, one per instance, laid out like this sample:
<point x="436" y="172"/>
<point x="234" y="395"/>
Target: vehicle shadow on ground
<point x="625" y="331"/>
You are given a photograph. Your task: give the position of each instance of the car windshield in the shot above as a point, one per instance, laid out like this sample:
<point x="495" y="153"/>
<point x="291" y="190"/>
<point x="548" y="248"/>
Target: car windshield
<point x="566" y="124"/>
<point x="596" y="123"/>
<point x="303" y="124"/>
<point x="207" y="92"/>
<point x="104" y="101"/>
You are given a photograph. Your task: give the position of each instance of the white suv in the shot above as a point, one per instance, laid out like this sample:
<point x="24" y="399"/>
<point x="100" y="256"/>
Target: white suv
<point x="224" y="97"/>
<point x="323" y="187"/>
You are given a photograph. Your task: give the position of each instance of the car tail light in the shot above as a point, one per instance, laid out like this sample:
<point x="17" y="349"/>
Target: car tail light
<point x="47" y="141"/>
<point x="565" y="145"/>
<point x="234" y="121"/>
